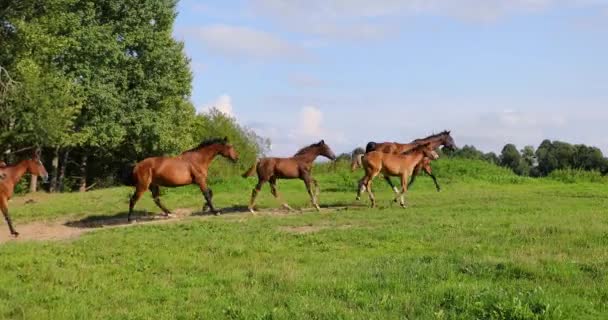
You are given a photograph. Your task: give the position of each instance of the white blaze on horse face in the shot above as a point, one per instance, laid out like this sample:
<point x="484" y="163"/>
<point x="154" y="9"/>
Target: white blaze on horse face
<point x="435" y="155"/>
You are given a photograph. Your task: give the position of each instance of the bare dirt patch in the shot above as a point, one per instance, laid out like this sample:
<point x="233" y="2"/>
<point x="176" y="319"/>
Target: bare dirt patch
<point x="41" y="231"/>
<point x="64" y="230"/>
<point x="312" y="228"/>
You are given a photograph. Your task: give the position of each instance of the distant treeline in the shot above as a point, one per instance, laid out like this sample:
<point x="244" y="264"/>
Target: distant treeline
<point x="550" y="156"/>
<point x="95" y="85"/>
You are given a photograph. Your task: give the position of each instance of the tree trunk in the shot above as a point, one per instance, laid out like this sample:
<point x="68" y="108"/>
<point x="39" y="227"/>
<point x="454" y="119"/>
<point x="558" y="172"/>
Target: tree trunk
<point x="33" y="183"/>
<point x="54" y="171"/>
<point x="34" y="179"/>
<point x="83" y="174"/>
<point x="64" y="164"/>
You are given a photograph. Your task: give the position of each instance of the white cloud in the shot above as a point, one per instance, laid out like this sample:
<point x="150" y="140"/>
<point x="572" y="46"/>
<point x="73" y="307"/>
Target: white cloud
<point x="311" y="119"/>
<point x="359" y="19"/>
<point x="306" y="127"/>
<point x="223" y="104"/>
<point x="245" y="42"/>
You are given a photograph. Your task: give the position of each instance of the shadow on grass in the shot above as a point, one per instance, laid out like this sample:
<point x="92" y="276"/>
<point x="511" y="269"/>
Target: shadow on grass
<point x="100" y="221"/>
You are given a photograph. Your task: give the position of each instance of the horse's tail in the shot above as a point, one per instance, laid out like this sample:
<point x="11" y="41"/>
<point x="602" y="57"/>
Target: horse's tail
<point x="371" y="146"/>
<point x="127" y="176"/>
<point x="251" y="170"/>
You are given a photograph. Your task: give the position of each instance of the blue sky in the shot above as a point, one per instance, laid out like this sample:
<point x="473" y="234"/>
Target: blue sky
<point x="353" y="71"/>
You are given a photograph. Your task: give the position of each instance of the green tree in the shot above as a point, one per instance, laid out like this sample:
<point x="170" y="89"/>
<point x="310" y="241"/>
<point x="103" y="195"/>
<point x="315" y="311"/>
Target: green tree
<point x="510" y="158"/>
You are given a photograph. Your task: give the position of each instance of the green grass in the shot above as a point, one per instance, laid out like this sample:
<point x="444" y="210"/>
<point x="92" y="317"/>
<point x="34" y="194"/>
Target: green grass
<point x="490" y="246"/>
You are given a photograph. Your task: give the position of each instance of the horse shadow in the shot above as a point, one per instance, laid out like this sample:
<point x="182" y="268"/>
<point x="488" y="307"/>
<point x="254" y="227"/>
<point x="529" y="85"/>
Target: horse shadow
<point x="120" y="219"/>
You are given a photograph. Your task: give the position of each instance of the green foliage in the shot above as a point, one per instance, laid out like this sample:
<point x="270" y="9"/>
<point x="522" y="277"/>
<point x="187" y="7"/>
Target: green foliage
<point x="44" y="106"/>
<point x="104" y="80"/>
<point x="247" y="143"/>
<point x="577" y="176"/>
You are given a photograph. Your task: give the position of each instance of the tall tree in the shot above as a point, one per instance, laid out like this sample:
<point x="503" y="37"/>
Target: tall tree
<point x="510" y="157"/>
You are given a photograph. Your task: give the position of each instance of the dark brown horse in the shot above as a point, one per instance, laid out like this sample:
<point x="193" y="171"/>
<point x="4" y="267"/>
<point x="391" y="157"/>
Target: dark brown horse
<point x="297" y="167"/>
<point x="190" y="167"/>
<point x="442" y="139"/>
<point x="391" y="165"/>
<point x="10" y="175"/>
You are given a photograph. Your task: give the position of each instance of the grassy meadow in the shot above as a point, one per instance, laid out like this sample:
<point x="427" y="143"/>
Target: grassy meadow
<point x="491" y="245"/>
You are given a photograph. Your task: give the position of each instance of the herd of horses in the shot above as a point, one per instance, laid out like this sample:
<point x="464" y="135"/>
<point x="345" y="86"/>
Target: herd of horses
<point x="191" y="167"/>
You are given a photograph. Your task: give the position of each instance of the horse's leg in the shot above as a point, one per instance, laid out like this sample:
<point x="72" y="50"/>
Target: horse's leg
<point x="317" y="190"/>
<point x="361" y="187"/>
<point x="136" y="196"/>
<point x="427" y="169"/>
<point x="275" y="193"/>
<point x="368" y="185"/>
<point x="254" y="194"/>
<point x="393" y="187"/>
<point x="156" y="195"/>
<point x="206" y="205"/>
<point x="208" y="195"/>
<point x="414" y="175"/>
<point x="4" y="207"/>
<point x="403" y="190"/>
<point x="308" y="182"/>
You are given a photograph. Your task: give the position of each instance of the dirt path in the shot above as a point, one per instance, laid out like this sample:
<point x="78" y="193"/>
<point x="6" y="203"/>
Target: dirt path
<point x="66" y="229"/>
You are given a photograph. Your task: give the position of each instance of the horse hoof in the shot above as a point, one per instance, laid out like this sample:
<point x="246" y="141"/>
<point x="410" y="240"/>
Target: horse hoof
<point x="15" y="234"/>
<point x="217" y="213"/>
<point x="358" y="198"/>
<point x="252" y="211"/>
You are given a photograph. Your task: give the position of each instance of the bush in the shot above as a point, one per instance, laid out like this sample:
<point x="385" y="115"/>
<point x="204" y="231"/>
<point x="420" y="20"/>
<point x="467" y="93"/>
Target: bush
<point x="577" y="176"/>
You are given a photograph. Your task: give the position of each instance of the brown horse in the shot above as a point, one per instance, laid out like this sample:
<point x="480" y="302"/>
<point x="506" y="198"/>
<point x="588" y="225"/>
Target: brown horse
<point x="190" y="167"/>
<point x="10" y="175"/>
<point x="401" y="165"/>
<point x="442" y="139"/>
<point x="297" y="167"/>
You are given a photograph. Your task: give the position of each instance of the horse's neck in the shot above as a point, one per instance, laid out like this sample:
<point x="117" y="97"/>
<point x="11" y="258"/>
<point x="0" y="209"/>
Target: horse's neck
<point x="206" y="155"/>
<point x="309" y="157"/>
<point x="400" y="148"/>
<point x="435" y="142"/>
<point x="14" y="174"/>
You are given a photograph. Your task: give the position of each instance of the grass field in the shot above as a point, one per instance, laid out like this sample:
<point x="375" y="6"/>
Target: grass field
<point x="490" y="246"/>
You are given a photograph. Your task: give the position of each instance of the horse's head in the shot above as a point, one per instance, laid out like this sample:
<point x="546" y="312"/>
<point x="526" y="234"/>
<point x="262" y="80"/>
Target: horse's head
<point x="325" y="150"/>
<point x="228" y="151"/>
<point x="35" y="167"/>
<point x="447" y="141"/>
<point x="426" y="149"/>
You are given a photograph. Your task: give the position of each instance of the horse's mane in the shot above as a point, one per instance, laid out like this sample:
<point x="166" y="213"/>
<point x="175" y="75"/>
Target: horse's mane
<point x="306" y="149"/>
<point x="208" y="142"/>
<point x="433" y="136"/>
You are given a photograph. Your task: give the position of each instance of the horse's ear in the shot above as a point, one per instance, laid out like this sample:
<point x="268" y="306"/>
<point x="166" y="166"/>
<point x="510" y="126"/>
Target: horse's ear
<point x="322" y="142"/>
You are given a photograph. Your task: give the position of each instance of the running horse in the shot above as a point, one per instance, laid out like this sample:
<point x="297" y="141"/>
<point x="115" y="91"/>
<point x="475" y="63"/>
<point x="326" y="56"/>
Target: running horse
<point x="436" y="140"/>
<point x="190" y="167"/>
<point x="297" y="167"/>
<point x="10" y="176"/>
<point x="401" y="165"/>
